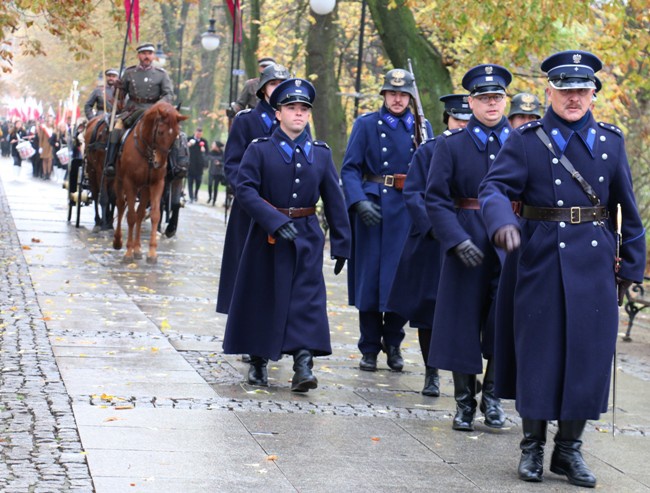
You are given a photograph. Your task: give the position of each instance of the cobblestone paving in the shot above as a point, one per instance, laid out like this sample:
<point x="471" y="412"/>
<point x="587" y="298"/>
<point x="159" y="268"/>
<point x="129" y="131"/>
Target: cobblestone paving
<point x="40" y="449"/>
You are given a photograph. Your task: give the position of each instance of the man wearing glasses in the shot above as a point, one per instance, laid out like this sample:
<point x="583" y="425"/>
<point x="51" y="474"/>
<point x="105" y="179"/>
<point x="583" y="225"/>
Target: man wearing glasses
<point x="463" y="325"/>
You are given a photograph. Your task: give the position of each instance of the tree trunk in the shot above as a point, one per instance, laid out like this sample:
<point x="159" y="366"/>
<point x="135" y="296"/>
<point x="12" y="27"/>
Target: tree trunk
<point x="328" y="114"/>
<point x="402" y="40"/>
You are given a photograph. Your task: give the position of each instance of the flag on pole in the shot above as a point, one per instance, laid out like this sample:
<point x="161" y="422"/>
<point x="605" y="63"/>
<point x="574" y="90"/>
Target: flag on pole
<point x="135" y="4"/>
<point x="235" y="12"/>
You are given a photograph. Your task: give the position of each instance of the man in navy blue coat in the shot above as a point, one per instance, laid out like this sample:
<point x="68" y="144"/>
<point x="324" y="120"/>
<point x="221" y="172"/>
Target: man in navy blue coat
<point x="415" y="285"/>
<point x="463" y="324"/>
<point x="279" y="299"/>
<point x="557" y="303"/>
<point x="247" y="125"/>
<point x="376" y="160"/>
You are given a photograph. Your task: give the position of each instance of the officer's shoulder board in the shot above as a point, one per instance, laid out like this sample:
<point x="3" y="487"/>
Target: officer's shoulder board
<point x="449" y="133"/>
<point x="243" y="112"/>
<point x="428" y="141"/>
<point x="527" y="126"/>
<point x="321" y="143"/>
<point x="259" y="139"/>
<point x="612" y="128"/>
<point x="132" y="67"/>
<point x="160" y="69"/>
<point x="364" y="115"/>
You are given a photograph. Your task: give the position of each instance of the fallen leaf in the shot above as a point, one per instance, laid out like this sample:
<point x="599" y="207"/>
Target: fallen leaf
<point x="35" y="240"/>
<point x="112" y="418"/>
<point x="375" y="439"/>
<point x="272" y="457"/>
<point x="26" y="247"/>
<point x="123" y="408"/>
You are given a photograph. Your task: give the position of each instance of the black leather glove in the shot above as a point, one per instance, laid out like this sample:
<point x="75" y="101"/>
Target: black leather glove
<point x="118" y="84"/>
<point x="622" y="285"/>
<point x="369" y="212"/>
<point x="469" y="253"/>
<point x="507" y="237"/>
<point x="287" y="232"/>
<point x="338" y="267"/>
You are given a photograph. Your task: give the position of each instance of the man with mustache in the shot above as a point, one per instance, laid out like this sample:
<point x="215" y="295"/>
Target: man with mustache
<point x="557" y="312"/>
<point x="375" y="164"/>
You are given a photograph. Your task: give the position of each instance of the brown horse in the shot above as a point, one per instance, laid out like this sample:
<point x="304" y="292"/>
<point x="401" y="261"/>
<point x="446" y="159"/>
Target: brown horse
<point x="141" y="169"/>
<point x="96" y="137"/>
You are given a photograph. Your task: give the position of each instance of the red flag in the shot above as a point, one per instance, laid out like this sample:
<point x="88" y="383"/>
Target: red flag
<point x="136" y="17"/>
<point x="235" y="13"/>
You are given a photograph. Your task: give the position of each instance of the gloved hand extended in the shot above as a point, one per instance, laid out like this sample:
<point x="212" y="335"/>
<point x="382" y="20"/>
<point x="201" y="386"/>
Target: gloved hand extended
<point x="287" y="232"/>
<point x="369" y="212"/>
<point x="507" y="237"/>
<point x="469" y="253"/>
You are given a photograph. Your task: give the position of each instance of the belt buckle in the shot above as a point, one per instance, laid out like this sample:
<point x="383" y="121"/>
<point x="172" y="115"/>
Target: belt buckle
<point x="291" y="209"/>
<point x="575" y="215"/>
<point x="389" y="180"/>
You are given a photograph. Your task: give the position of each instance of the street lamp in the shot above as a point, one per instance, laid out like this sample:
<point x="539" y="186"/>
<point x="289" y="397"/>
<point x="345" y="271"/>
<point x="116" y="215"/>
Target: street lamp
<point x="322" y="7"/>
<point x="209" y="40"/>
<point x="160" y="56"/>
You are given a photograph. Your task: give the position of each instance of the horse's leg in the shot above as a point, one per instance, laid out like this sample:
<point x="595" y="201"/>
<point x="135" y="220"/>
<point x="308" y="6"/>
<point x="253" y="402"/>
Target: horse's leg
<point x="142" y="210"/>
<point x="119" y="203"/>
<point x="130" y="220"/>
<point x="156" y="194"/>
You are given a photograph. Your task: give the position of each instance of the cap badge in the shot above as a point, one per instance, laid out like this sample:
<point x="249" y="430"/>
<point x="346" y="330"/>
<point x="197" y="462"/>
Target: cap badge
<point x="488" y="70"/>
<point x="527" y="102"/>
<point x="398" y="78"/>
<point x="577" y="57"/>
<point x="298" y="83"/>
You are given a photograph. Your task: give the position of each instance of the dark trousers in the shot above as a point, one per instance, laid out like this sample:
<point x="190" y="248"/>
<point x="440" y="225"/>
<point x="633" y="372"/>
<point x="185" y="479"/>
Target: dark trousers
<point x="193" y="185"/>
<point x="375" y="326"/>
<point x="213" y="185"/>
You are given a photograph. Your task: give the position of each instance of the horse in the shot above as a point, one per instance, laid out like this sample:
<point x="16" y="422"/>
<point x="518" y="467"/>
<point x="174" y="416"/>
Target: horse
<point x="96" y="138"/>
<point x="140" y="172"/>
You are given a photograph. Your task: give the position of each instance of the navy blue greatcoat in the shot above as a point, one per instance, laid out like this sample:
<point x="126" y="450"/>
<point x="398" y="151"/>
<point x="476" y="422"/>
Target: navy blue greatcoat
<point x="279" y="300"/>
<point x="413" y="295"/>
<point x="463" y="324"/>
<point x="556" y="309"/>
<point x="247" y="125"/>
<point x="380" y="144"/>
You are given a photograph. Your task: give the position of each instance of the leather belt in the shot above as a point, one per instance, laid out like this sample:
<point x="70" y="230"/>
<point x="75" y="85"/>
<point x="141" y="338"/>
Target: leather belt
<point x="473" y="204"/>
<point x="143" y="100"/>
<point x="298" y="211"/>
<point x="396" y="181"/>
<point x="573" y="215"/>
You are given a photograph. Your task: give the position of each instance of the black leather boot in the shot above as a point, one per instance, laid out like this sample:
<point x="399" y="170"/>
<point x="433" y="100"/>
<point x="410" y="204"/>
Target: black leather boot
<point x="567" y="458"/>
<point x="368" y="362"/>
<point x="464" y="392"/>
<point x="257" y="372"/>
<point x="303" y="379"/>
<point x="111" y="152"/>
<point x="531" y="464"/>
<point x="490" y="404"/>
<point x="170" y="230"/>
<point x="431" y="382"/>
<point x="394" y="358"/>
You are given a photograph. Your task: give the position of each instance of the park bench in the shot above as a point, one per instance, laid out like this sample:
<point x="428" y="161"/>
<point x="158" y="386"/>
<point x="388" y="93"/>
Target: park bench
<point x="636" y="301"/>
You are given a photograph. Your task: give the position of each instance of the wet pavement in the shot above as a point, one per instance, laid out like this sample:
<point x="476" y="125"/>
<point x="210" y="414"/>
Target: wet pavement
<point x="112" y="379"/>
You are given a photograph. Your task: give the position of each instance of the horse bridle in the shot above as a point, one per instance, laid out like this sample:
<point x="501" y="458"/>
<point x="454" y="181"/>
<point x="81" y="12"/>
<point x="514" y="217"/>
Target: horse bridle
<point x="149" y="151"/>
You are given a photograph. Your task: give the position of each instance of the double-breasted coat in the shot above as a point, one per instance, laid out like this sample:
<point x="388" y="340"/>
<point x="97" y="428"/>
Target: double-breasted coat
<point x="415" y="286"/>
<point x="463" y="324"/>
<point x="556" y="310"/>
<point x="279" y="299"/>
<point x="380" y="144"/>
<point x="247" y="125"/>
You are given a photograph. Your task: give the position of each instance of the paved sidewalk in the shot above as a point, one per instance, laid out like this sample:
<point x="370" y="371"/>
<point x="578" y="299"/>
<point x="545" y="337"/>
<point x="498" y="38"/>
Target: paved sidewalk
<point x="112" y="380"/>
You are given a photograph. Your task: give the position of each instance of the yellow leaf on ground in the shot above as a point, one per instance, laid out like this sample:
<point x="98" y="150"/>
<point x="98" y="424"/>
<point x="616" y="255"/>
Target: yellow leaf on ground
<point x="26" y="247"/>
<point x="375" y="439"/>
<point x="272" y="457"/>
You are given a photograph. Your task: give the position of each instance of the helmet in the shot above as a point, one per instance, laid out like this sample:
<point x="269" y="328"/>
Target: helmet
<point x="399" y="80"/>
<point x="272" y="72"/>
<point x="524" y="104"/>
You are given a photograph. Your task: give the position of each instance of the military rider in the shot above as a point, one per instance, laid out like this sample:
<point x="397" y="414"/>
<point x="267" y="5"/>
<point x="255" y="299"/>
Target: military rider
<point x="144" y="84"/>
<point x="101" y="99"/>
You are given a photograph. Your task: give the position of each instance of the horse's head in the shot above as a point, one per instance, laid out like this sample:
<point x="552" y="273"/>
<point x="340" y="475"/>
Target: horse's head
<point x="163" y="120"/>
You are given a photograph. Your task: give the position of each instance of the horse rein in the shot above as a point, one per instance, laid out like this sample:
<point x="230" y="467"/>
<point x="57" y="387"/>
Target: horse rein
<point x="148" y="153"/>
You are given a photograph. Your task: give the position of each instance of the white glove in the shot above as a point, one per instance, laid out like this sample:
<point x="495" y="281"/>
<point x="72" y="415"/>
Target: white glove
<point x="192" y="142"/>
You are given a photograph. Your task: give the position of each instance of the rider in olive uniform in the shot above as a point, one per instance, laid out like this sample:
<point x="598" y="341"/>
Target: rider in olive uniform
<point x="144" y="85"/>
<point x="101" y="99"/>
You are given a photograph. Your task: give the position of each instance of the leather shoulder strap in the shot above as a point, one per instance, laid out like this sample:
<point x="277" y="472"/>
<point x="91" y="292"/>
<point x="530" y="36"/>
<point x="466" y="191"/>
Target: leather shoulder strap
<point x="586" y="187"/>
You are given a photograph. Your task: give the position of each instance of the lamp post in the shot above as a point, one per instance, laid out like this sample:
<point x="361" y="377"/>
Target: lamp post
<point x="181" y="28"/>
<point x="209" y="39"/>
<point x="357" y="83"/>
<point x="322" y="7"/>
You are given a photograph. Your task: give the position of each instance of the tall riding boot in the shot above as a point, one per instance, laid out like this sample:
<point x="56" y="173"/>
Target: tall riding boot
<point x="567" y="458"/>
<point x="431" y="382"/>
<point x="464" y="392"/>
<point x="531" y="464"/>
<point x="111" y="152"/>
<point x="303" y="379"/>
<point x="257" y="372"/>
<point x="170" y="230"/>
<point x="490" y="404"/>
